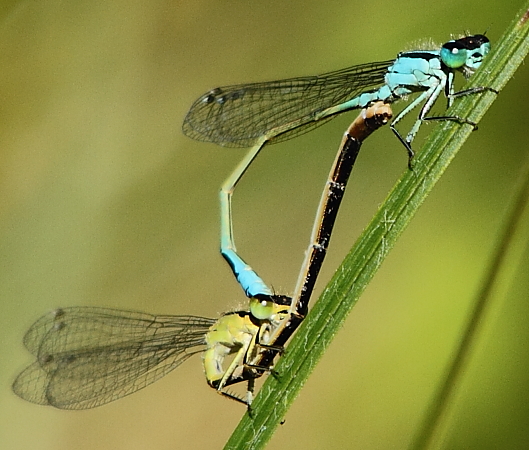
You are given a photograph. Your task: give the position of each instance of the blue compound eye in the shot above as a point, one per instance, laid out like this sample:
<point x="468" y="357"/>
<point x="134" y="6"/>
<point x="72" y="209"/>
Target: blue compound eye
<point x="467" y="51"/>
<point x="454" y="55"/>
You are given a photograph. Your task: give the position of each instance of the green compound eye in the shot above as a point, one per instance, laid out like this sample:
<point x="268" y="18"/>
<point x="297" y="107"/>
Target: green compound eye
<point x="262" y="309"/>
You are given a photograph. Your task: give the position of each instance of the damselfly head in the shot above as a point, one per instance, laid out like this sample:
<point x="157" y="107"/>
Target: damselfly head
<point x="465" y="54"/>
<point x="273" y="308"/>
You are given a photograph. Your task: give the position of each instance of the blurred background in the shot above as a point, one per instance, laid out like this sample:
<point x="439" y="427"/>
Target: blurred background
<point x="104" y="202"/>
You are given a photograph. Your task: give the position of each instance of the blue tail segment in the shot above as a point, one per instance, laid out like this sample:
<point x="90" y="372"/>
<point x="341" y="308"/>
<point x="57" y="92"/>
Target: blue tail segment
<point x="252" y="285"/>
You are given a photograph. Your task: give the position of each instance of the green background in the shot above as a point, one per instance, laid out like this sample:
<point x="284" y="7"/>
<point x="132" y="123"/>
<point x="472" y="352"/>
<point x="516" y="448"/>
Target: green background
<point x="104" y="202"/>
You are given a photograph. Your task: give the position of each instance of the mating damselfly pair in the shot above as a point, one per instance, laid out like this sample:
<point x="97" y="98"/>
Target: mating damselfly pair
<point x="86" y="357"/>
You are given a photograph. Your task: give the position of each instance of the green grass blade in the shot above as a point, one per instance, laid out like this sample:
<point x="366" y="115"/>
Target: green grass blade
<point x="360" y="265"/>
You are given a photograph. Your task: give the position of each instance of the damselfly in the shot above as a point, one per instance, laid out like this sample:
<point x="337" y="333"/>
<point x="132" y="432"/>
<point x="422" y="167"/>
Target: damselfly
<point x="88" y="356"/>
<point x="253" y="115"/>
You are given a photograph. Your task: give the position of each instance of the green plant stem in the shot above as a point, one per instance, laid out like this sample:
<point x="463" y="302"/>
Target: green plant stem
<point x="366" y="256"/>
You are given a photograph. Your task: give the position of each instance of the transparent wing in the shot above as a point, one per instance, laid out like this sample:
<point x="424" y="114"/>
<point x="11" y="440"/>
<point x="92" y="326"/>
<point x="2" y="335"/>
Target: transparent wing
<point x="87" y="357"/>
<point x="236" y="116"/>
